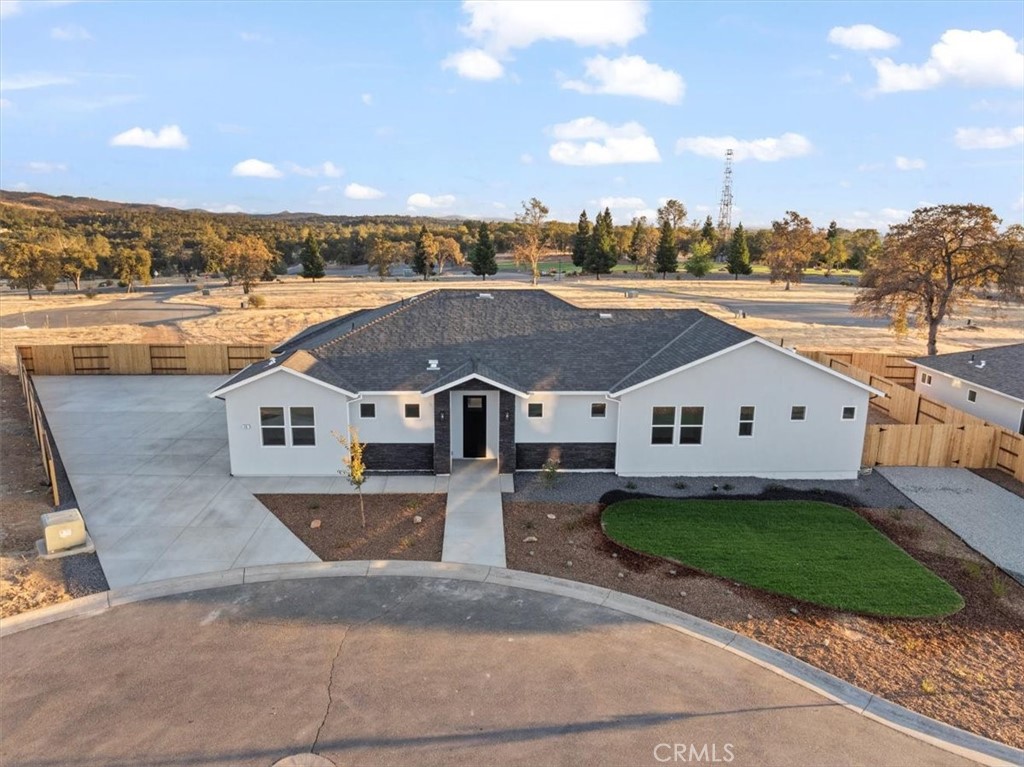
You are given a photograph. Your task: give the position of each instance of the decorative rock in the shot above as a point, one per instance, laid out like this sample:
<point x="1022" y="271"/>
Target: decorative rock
<point x="671" y="572"/>
<point x="750" y="617"/>
<point x="568" y="563"/>
<point x="615" y="555"/>
<point x="682" y="593"/>
<point x="827" y="642"/>
<point x="794" y="611"/>
<point x="551" y="516"/>
<point x="530" y="539"/>
<point x="622" y="575"/>
<point x="315" y="524"/>
<point x="532" y="553"/>
<point x="417" y="519"/>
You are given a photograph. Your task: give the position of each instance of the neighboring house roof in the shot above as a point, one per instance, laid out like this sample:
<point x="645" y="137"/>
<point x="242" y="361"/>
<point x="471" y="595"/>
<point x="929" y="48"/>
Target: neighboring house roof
<point x="1002" y="371"/>
<point x="519" y="340"/>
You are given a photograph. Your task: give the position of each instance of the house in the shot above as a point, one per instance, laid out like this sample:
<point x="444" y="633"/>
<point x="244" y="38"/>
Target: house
<point x="987" y="383"/>
<point x="523" y="377"/>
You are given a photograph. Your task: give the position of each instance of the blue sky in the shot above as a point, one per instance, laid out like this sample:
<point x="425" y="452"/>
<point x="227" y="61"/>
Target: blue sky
<point x="858" y="112"/>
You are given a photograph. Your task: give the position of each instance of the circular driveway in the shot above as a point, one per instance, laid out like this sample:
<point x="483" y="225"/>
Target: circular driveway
<point x="403" y="671"/>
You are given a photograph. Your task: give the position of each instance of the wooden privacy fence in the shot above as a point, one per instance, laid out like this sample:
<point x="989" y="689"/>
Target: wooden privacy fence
<point x="893" y="367"/>
<point x="930" y="433"/>
<point x="39" y="430"/>
<point x="139" y="359"/>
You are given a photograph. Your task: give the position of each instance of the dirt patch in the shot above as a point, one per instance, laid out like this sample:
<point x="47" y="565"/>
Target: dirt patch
<point x="25" y="582"/>
<point x="966" y="669"/>
<point x="1004" y="480"/>
<point x="391" y="531"/>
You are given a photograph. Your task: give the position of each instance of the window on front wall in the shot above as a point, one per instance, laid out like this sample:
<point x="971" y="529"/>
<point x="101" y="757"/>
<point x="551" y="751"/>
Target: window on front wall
<point x="798" y="413"/>
<point x="272" y="426"/>
<point x="972" y="396"/>
<point x="663" y="423"/>
<point x="849" y="413"/>
<point x="367" y="410"/>
<point x="412" y="410"/>
<point x="598" y="409"/>
<point x="926" y="379"/>
<point x="691" y="425"/>
<point x="535" y="410"/>
<point x="747" y="421"/>
<point x="302" y="424"/>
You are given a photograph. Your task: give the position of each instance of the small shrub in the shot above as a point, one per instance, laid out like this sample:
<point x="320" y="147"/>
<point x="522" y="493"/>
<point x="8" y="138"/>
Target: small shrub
<point x="896" y="514"/>
<point x="928" y="687"/>
<point x="313" y="505"/>
<point x="549" y="471"/>
<point x="998" y="586"/>
<point x="256" y="301"/>
<point x="528" y="524"/>
<point x="972" y="569"/>
<point x="679" y="485"/>
<point x="727" y="486"/>
<point x="90" y="293"/>
<point x="631" y="485"/>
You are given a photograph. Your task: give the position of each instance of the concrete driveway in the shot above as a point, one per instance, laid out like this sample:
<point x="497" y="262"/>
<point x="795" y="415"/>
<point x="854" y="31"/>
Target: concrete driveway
<point x="409" y="671"/>
<point x="147" y="458"/>
<point x="989" y="518"/>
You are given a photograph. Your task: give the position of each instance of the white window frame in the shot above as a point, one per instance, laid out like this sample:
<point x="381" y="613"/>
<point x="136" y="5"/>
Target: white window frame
<point x="530" y="405"/>
<point x="842" y="413"/>
<point x="970" y="392"/>
<point x="743" y="420"/>
<point x="286" y="427"/>
<point x="792" y="413"/>
<point x="680" y="426"/>
<point x="672" y="427"/>
<point x="405" y="411"/>
<point x="926" y="379"/>
<point x="292" y="427"/>
<point x="367" y="404"/>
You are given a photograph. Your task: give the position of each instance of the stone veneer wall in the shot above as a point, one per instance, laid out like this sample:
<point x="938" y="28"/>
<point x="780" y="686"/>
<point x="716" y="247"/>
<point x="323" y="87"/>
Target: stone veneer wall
<point x="442" y="448"/>
<point x="570" y="455"/>
<point x="408" y="457"/>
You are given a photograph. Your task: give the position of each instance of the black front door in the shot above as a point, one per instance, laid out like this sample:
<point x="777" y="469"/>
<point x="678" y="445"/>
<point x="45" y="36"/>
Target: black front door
<point x="474" y="426"/>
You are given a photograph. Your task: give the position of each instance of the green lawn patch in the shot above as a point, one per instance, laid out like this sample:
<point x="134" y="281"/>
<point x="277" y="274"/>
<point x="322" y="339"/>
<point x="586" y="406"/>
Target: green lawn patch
<point x="812" y="551"/>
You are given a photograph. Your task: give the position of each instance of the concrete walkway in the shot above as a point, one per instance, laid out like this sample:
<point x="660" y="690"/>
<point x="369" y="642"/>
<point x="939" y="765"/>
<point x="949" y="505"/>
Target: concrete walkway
<point x="474" y="529"/>
<point x="989" y="518"/>
<point x="429" y="671"/>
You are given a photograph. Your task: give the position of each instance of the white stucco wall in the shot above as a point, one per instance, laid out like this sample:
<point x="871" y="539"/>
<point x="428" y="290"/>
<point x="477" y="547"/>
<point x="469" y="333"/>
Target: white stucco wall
<point x="566" y="419"/>
<point x="994" y="408"/>
<point x="457" y="437"/>
<point x="249" y="457"/>
<point x="390" y="424"/>
<point x="821" y="447"/>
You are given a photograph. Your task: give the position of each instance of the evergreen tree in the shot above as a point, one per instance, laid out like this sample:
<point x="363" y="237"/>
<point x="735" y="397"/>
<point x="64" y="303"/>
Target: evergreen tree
<point x="601" y="248"/>
<point x="313" y="266"/>
<point x="667" y="259"/>
<point x="636" y="242"/>
<point x="581" y="241"/>
<point x="708" y="232"/>
<point x="482" y="261"/>
<point x="739" y="254"/>
<point x="699" y="263"/>
<point x="424" y="255"/>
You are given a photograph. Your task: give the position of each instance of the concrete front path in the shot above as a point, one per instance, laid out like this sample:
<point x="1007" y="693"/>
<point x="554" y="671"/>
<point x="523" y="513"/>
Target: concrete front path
<point x="474" y="528"/>
<point x="989" y="518"/>
<point x="410" y="671"/>
<point x="147" y="458"/>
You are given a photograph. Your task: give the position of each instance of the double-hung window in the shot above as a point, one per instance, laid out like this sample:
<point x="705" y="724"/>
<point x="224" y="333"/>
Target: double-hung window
<point x="691" y="425"/>
<point x="272" y="426"/>
<point x="303" y="426"/>
<point x="280" y="427"/>
<point x="747" y="421"/>
<point x="663" y="424"/>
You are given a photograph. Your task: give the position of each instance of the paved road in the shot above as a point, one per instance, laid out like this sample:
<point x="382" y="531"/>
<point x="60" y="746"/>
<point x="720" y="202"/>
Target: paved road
<point x="148" y="309"/>
<point x="402" y="671"/>
<point x="988" y="518"/>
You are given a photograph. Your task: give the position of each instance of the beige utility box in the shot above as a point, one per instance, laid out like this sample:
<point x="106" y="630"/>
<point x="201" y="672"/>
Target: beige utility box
<point x="62" y="532"/>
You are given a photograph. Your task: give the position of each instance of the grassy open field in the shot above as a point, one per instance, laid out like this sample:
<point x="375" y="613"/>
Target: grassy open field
<point x="15" y="303"/>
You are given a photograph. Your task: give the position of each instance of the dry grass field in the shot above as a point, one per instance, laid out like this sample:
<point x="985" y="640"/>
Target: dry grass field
<point x="11" y="304"/>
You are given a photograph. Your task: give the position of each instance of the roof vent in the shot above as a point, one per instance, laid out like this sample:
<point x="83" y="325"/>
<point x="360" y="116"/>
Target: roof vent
<point x="980" y="365"/>
<point x="271" y="361"/>
<point x="605" y="315"/>
<point x="432" y="365"/>
<point x="971" y="361"/>
<point x="485" y="295"/>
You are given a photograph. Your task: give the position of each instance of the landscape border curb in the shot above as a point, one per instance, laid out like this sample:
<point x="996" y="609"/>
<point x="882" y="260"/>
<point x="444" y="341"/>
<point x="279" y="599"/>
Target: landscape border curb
<point x="860" y="701"/>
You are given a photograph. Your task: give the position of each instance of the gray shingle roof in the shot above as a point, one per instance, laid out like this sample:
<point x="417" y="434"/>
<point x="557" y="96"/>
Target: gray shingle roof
<point x="527" y="340"/>
<point x="1003" y="370"/>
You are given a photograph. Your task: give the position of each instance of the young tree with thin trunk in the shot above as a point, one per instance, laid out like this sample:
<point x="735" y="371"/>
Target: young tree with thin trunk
<point x="246" y="259"/>
<point x="482" y="261"/>
<point x="931" y="263"/>
<point x="667" y="258"/>
<point x="581" y="241"/>
<point x="313" y="266"/>
<point x="76" y="257"/>
<point x="636" y="241"/>
<point x="528" y="248"/>
<point x="381" y="254"/>
<point x="354" y="469"/>
<point x="699" y="263"/>
<point x="794" y="243"/>
<point x="739" y="254"/>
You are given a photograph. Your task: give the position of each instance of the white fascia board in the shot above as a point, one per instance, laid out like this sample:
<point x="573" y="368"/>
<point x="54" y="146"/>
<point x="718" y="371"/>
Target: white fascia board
<point x="967" y="381"/>
<point x="220" y="392"/>
<point x="478" y="377"/>
<point x="681" y="368"/>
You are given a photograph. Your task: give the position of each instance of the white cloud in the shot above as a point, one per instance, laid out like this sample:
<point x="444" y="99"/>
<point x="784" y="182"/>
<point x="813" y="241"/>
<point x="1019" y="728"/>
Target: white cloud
<point x="30" y="80"/>
<point x="226" y="208"/>
<point x="421" y="200"/>
<point x="630" y="76"/>
<point x="989" y="138"/>
<point x="328" y="169"/>
<point x="9" y="8"/>
<point x="367" y="98"/>
<point x="882" y="219"/>
<point x="356" y="191"/>
<point x="970" y="59"/>
<point x="909" y="163"/>
<point x="618" y="203"/>
<point x="253" y="37"/>
<point x="526" y="158"/>
<point x="862" y="37"/>
<point x="589" y="141"/>
<point x="474" y="64"/>
<point x="171" y="202"/>
<point x="254" y="168"/>
<point x="168" y="137"/>
<point x="70" y="33"/>
<point x="46" y="167"/>
<point x="786" y="146"/>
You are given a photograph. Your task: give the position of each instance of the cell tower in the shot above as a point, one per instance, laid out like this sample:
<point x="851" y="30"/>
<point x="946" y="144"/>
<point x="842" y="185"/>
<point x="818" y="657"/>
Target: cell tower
<point x="725" y="206"/>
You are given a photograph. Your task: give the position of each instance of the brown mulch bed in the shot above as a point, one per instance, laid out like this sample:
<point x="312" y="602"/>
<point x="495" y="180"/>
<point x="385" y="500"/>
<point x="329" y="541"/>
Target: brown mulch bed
<point x="1001" y="478"/>
<point x="966" y="669"/>
<point x="391" y="531"/>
